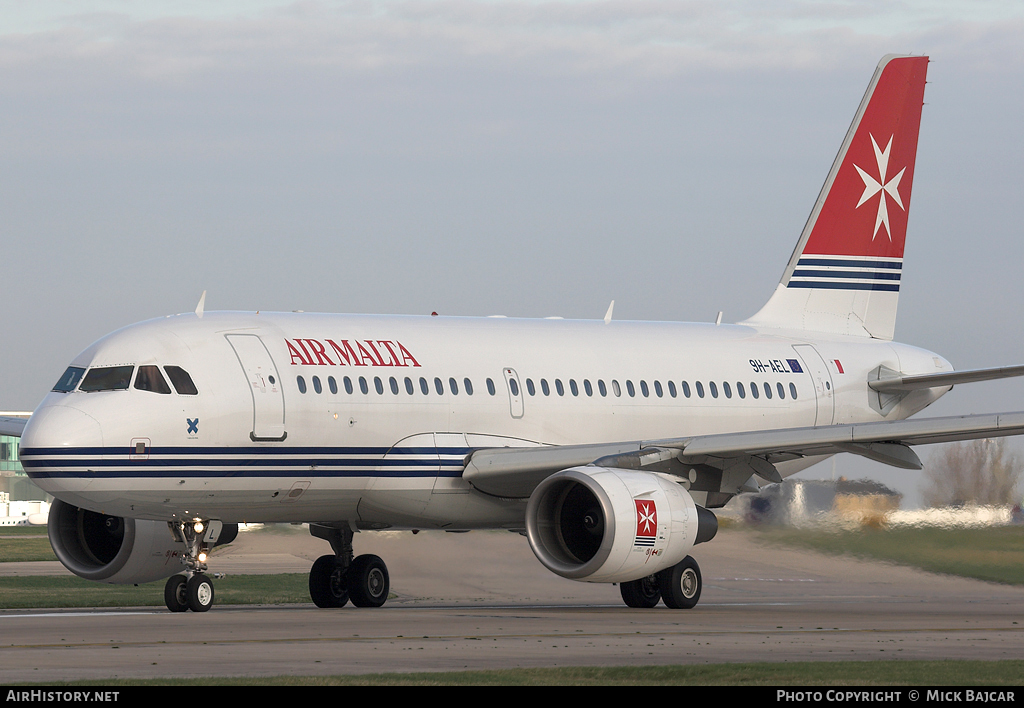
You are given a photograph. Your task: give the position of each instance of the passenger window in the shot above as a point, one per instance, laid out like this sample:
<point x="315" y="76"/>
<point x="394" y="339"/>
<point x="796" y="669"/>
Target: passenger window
<point x="301" y="383"/>
<point x="727" y="389"/>
<point x="409" y="388"/>
<point x="348" y="384"/>
<point x="513" y="386"/>
<point x="454" y="386"/>
<point x="629" y="388"/>
<point x="69" y="380"/>
<point x="559" y="387"/>
<point x="438" y="386"/>
<point x="107" y="378"/>
<point x="530" y="388"/>
<point x="424" y="386"/>
<point x="150" y="379"/>
<point x="378" y="385"/>
<point x="332" y="384"/>
<point x="657" y="389"/>
<point x="700" y="389"/>
<point x="587" y="387"/>
<point x="544" y="388"/>
<point x="573" y="387"/>
<point x="792" y="391"/>
<point x="394" y="385"/>
<point x="782" y="391"/>
<point x="316" y="385"/>
<point x="686" y="389"/>
<point x="644" y="390"/>
<point x="490" y="387"/>
<point x="714" y="389"/>
<point x="602" y="388"/>
<point x="753" y="390"/>
<point x="181" y="381"/>
<point x="363" y="385"/>
<point x="616" y="389"/>
<point x="767" y="390"/>
<point x="672" y="388"/>
<point x="467" y="386"/>
<point x="740" y="390"/>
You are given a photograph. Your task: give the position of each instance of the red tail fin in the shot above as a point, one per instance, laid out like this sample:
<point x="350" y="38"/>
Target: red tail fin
<point x="844" y="275"/>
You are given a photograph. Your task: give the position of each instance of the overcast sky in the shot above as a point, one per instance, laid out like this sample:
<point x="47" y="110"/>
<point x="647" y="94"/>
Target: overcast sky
<point x="486" y="157"/>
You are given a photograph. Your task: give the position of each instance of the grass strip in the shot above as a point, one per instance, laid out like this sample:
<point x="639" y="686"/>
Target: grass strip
<point x="995" y="554"/>
<point x="70" y="591"/>
<point x="798" y="673"/>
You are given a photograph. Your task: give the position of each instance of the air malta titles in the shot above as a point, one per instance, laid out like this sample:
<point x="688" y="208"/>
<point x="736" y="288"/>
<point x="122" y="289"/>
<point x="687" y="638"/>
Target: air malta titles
<point x="345" y="352"/>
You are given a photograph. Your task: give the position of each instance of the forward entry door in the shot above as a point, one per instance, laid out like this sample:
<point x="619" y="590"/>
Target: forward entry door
<point x="264" y="385"/>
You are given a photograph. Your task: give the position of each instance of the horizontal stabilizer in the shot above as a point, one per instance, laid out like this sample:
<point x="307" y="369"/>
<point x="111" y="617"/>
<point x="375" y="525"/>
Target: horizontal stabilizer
<point x="952" y="378"/>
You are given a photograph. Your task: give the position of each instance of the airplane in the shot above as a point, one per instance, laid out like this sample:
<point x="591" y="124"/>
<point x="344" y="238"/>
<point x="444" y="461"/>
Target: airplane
<point x="607" y="443"/>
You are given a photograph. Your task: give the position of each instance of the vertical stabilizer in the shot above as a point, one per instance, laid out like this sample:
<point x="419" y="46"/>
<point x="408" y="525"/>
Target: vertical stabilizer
<point x="844" y="275"/>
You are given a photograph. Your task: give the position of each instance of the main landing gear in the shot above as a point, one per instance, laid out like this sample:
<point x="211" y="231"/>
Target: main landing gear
<point x="336" y="579"/>
<point x="679" y="587"/>
<point x="192" y="590"/>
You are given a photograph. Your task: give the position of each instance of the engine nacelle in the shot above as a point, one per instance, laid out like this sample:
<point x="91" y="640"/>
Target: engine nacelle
<point x="608" y="525"/>
<point x="111" y="549"/>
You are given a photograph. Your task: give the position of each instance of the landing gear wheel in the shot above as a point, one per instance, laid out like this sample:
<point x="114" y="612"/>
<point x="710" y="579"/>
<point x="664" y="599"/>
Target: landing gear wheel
<point x="681" y="584"/>
<point x="199" y="592"/>
<point x="175" y="593"/>
<point x="368" y="582"/>
<point x="643" y="592"/>
<point x="327" y="583"/>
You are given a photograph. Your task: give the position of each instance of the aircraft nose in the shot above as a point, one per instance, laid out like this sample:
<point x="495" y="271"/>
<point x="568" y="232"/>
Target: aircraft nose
<point x="51" y="433"/>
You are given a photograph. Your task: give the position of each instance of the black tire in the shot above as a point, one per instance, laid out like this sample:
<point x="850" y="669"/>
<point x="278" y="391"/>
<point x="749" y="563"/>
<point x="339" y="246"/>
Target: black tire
<point x="176" y="593"/>
<point x="681" y="584"/>
<point x="200" y="593"/>
<point x="643" y="592"/>
<point x="328" y="586"/>
<point x="368" y="581"/>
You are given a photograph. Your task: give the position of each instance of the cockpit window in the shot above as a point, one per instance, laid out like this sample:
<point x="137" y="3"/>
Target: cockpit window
<point x="107" y="378"/>
<point x="149" y="378"/>
<point x="181" y="381"/>
<point x="70" y="379"/>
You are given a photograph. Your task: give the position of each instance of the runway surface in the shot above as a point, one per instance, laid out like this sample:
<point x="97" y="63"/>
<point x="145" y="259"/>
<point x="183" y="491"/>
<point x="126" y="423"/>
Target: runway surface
<point x="482" y="601"/>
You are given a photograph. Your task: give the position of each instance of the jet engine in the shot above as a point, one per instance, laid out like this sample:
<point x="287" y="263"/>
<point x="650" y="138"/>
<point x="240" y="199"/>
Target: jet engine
<point x="112" y="549"/>
<point x="608" y="525"/>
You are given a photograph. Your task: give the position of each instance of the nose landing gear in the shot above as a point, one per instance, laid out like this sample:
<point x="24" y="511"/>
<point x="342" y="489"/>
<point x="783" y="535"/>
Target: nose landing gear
<point x="193" y="589"/>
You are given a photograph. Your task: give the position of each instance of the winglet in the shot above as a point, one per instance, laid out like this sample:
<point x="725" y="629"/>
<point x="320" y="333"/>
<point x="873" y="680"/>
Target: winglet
<point x="201" y="305"/>
<point x="608" y="315"/>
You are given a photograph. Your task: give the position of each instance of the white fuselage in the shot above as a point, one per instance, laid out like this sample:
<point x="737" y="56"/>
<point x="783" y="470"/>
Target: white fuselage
<point x="251" y="447"/>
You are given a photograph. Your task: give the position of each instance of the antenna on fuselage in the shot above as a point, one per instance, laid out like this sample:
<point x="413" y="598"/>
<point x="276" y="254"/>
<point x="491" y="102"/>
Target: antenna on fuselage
<point x="608" y="315"/>
<point x="201" y="305"/>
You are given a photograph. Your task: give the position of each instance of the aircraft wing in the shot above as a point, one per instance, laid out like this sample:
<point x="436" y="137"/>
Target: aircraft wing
<point x="514" y="472"/>
<point x="12" y="426"/>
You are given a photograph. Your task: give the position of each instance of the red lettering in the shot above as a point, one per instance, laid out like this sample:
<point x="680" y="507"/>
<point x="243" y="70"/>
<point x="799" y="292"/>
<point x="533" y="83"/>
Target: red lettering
<point x="295" y="354"/>
<point x="365" y="352"/>
<point x="347" y="355"/>
<point x="406" y="355"/>
<point x="309" y="359"/>
<point x="367" y="355"/>
<point x="379" y="357"/>
<point x="318" y="349"/>
<point x="394" y="357"/>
